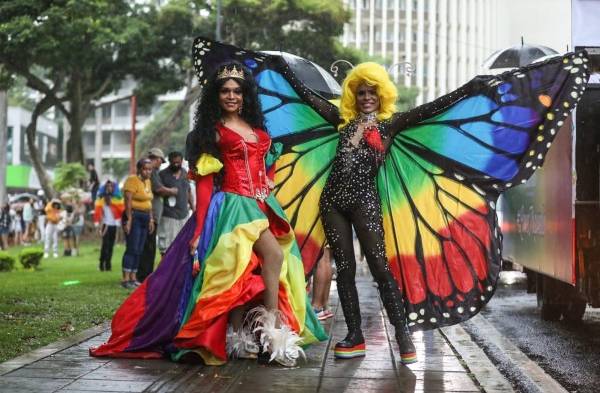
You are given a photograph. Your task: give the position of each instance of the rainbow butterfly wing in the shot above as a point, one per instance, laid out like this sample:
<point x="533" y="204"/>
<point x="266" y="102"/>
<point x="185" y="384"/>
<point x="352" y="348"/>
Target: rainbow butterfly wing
<point x="441" y="180"/>
<point x="300" y="177"/>
<point x="309" y="139"/>
<point x="303" y="167"/>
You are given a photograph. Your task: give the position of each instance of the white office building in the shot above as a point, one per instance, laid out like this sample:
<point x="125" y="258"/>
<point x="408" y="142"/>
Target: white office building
<point x="445" y="41"/>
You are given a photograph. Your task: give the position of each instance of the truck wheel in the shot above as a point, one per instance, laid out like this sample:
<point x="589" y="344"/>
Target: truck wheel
<point x="551" y="312"/>
<point x="531" y="280"/>
<point x="574" y="310"/>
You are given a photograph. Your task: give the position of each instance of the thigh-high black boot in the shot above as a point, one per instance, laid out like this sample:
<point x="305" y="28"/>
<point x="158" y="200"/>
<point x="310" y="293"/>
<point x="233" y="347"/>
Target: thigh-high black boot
<point x="339" y="236"/>
<point x="369" y="230"/>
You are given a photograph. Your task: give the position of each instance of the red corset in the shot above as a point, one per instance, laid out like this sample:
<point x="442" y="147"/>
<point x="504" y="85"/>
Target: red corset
<point x="244" y="170"/>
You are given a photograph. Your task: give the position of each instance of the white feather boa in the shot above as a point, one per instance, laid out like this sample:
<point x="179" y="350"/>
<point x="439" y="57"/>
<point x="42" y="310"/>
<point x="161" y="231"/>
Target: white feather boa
<point x="282" y="343"/>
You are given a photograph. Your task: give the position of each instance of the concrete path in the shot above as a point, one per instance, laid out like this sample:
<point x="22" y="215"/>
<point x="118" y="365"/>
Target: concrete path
<point x="442" y="367"/>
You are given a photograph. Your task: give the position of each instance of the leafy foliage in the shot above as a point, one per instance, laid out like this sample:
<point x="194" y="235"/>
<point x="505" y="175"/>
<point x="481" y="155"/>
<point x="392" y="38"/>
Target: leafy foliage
<point x="176" y="140"/>
<point x="307" y="28"/>
<point x="117" y="167"/>
<point x="86" y="48"/>
<point x="18" y="94"/>
<point x="7" y="262"/>
<point x="69" y="175"/>
<point x="31" y="257"/>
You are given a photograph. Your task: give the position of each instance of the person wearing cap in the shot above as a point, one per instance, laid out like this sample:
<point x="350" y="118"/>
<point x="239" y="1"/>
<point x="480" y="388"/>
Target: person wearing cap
<point x="146" y="266"/>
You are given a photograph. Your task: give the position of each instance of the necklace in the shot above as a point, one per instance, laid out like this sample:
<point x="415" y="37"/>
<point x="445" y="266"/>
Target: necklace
<point x="367" y="117"/>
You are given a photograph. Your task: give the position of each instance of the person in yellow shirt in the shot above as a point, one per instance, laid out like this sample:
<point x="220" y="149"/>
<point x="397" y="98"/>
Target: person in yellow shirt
<point x="137" y="220"/>
<point x="53" y="214"/>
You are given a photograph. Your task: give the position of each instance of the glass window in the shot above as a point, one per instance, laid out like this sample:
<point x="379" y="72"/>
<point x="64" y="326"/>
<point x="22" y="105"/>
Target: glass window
<point x="122" y="109"/>
<point x="106" y="112"/>
<point x="106" y="138"/>
<point x="9" y="145"/>
<point x="89" y="140"/>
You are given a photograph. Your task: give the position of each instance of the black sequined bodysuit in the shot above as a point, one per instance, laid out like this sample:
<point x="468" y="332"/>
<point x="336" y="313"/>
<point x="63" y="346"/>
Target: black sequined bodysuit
<point x="350" y="199"/>
<point x="354" y="169"/>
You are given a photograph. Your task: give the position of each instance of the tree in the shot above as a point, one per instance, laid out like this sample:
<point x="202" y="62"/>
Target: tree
<point x="74" y="52"/>
<point x="69" y="175"/>
<point x="117" y="167"/>
<point x="307" y="28"/>
<point x="5" y="81"/>
<point x="176" y="140"/>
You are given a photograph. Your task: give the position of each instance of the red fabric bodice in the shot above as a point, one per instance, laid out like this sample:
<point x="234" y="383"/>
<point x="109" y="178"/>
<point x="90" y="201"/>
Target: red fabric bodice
<point x="244" y="169"/>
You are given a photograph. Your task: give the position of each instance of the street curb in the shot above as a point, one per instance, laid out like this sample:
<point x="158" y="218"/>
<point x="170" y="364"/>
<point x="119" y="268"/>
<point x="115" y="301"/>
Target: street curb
<point x="52" y="348"/>
<point x="476" y="361"/>
<point x="527" y="367"/>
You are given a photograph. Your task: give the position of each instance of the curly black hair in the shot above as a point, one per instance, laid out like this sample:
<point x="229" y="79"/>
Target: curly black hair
<point x="202" y="139"/>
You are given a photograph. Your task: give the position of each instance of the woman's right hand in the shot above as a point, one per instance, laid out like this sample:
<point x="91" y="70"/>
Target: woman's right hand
<point x="194" y="245"/>
<point x="127" y="227"/>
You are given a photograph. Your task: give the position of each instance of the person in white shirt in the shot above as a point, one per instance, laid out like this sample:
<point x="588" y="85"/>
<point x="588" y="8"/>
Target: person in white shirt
<point x="108" y="209"/>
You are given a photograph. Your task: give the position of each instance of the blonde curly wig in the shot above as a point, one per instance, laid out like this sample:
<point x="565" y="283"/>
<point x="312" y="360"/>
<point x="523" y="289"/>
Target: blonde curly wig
<point x="372" y="74"/>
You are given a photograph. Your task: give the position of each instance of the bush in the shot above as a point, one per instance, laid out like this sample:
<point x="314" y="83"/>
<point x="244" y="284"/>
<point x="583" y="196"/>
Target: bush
<point x="31" y="257"/>
<point x="7" y="262"/>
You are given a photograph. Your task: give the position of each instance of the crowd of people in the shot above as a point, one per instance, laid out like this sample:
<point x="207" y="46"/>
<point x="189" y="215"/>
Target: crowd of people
<point x="33" y="220"/>
<point x="18" y="223"/>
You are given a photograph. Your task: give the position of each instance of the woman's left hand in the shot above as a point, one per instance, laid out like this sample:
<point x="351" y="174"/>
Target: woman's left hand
<point x="151" y="226"/>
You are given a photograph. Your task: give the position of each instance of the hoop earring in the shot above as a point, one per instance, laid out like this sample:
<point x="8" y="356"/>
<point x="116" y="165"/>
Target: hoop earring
<point x="240" y="110"/>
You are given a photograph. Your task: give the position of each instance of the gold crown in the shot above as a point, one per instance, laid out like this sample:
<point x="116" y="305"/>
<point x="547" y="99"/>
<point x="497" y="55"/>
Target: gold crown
<point x="233" y="73"/>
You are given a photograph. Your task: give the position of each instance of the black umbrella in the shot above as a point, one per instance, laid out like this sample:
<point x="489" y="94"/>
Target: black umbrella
<point x="311" y="74"/>
<point x="517" y="56"/>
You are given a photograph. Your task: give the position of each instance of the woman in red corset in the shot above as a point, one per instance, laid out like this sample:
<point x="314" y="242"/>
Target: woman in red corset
<point x="238" y="252"/>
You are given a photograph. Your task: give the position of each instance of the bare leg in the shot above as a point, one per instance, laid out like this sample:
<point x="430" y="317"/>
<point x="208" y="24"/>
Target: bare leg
<point x="322" y="281"/>
<point x="270" y="251"/>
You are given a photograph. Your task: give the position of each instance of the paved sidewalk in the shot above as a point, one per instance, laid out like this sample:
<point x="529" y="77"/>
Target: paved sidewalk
<point x="68" y="368"/>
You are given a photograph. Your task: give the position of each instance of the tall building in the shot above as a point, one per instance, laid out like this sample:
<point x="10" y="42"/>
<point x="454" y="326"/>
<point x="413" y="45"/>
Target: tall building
<point x="445" y="41"/>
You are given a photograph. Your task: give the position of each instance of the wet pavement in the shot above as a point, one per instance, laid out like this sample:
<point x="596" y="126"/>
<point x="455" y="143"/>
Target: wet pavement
<point x="568" y="353"/>
<point x="66" y="367"/>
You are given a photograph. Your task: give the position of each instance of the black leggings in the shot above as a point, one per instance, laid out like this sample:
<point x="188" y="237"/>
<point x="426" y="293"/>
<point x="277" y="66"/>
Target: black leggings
<point x="108" y="243"/>
<point x="368" y="225"/>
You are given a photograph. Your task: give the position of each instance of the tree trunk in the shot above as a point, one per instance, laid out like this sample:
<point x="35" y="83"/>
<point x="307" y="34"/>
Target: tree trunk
<point x="3" y="142"/>
<point x="75" y="143"/>
<point x="164" y="131"/>
<point x="76" y="120"/>
<point x="30" y="132"/>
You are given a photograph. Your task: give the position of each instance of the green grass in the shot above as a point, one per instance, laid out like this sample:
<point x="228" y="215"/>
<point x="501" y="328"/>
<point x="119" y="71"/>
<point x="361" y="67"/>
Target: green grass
<point x="64" y="296"/>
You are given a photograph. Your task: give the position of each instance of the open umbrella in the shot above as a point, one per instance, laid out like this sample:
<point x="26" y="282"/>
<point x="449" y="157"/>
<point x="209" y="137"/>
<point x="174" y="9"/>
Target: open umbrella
<point x="311" y="74"/>
<point x="517" y="56"/>
<point x="22" y="197"/>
